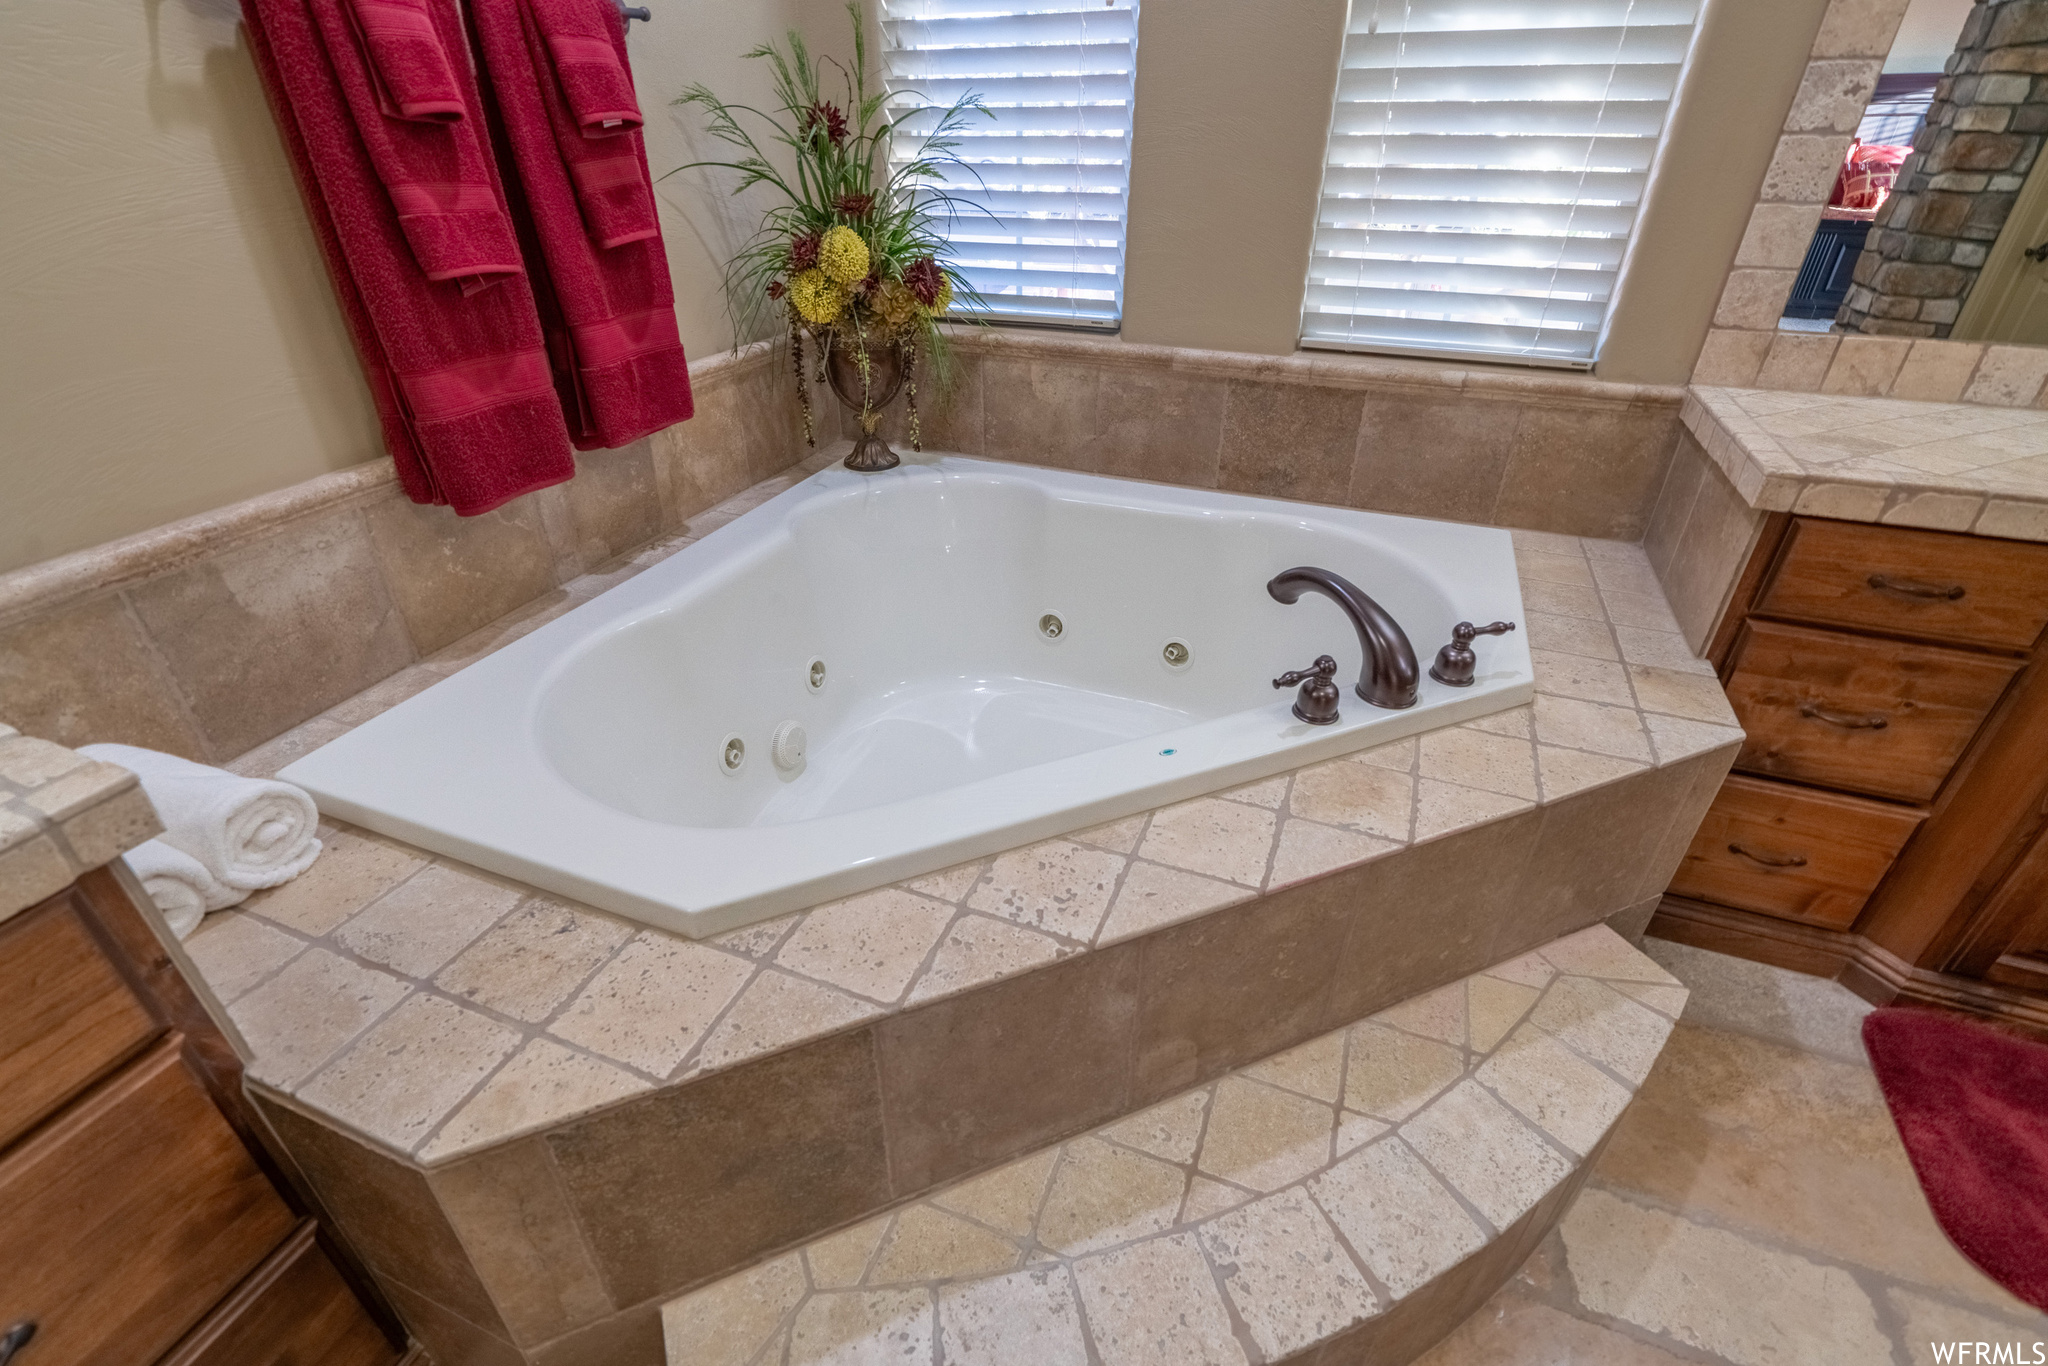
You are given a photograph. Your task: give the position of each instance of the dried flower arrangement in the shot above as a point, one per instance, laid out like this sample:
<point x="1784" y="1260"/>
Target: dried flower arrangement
<point x="853" y="256"/>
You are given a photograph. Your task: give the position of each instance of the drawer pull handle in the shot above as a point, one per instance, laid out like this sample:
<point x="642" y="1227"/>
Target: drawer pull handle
<point x="1769" y="861"/>
<point x="1914" y="588"/>
<point x="14" y="1339"/>
<point x="1846" y="720"/>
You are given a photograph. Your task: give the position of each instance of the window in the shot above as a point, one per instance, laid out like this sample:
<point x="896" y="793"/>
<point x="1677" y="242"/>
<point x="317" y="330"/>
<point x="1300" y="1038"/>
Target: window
<point x="1044" y="240"/>
<point x="1485" y="164"/>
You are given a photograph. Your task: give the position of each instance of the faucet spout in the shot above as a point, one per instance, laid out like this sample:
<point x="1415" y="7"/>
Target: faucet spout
<point x="1391" y="675"/>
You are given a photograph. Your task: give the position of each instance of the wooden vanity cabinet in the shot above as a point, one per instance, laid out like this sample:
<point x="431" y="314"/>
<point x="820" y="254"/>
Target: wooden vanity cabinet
<point x="142" y="1218"/>
<point x="1887" y="820"/>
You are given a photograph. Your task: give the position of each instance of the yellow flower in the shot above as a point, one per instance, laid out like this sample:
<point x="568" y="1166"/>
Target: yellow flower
<point x="843" y="256"/>
<point x="944" y="301"/>
<point x="817" y="299"/>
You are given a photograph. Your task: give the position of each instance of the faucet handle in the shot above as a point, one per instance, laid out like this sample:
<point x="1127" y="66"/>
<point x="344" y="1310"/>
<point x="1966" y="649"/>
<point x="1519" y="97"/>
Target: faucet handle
<point x="1317" y="702"/>
<point x="1456" y="663"/>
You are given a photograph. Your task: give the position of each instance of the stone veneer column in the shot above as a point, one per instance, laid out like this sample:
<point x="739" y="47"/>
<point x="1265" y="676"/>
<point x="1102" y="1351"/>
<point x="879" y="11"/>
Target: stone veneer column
<point x="1954" y="193"/>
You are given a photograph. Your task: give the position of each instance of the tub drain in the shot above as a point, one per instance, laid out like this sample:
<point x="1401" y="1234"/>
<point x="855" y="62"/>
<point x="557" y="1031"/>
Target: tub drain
<point x="1050" y="626"/>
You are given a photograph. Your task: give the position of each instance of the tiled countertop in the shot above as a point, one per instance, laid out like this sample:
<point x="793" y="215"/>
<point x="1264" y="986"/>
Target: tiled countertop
<point x="1303" y="1195"/>
<point x="61" y="815"/>
<point x="1941" y="466"/>
<point x="438" y="1010"/>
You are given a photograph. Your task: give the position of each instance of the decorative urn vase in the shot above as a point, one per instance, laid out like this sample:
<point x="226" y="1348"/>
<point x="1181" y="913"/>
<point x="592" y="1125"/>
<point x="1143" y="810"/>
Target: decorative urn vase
<point x="866" y="380"/>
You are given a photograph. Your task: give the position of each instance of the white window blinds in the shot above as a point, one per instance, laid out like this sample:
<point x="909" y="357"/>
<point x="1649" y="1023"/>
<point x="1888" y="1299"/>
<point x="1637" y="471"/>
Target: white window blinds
<point x="1040" y="232"/>
<point x="1486" y="161"/>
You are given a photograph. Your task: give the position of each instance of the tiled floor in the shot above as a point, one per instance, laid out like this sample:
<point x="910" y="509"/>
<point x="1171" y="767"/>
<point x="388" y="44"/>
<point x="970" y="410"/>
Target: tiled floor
<point x="1754" y="1208"/>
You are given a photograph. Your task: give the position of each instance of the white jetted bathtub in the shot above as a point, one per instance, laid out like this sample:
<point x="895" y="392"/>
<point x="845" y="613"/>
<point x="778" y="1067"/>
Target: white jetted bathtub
<point x="976" y="655"/>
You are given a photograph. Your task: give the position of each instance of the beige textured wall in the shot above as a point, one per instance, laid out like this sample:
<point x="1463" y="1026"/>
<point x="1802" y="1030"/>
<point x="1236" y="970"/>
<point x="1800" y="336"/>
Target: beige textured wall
<point x="1233" y="107"/>
<point x="1746" y="66"/>
<point x="168" y="340"/>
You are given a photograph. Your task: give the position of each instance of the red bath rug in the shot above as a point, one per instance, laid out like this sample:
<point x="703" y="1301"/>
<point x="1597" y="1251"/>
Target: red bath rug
<point x="1971" y="1104"/>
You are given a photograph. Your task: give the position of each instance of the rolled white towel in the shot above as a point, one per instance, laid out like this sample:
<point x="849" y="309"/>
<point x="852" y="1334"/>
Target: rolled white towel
<point x="250" y="833"/>
<point x="179" y="885"/>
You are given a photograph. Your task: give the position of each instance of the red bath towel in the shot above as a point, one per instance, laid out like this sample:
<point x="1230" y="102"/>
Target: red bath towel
<point x="408" y="65"/>
<point x="620" y="361"/>
<point x="461" y="383"/>
<point x="578" y="47"/>
<point x="436" y="172"/>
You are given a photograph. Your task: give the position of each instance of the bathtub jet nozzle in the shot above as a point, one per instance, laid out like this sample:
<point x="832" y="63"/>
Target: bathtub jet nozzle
<point x="1391" y="674"/>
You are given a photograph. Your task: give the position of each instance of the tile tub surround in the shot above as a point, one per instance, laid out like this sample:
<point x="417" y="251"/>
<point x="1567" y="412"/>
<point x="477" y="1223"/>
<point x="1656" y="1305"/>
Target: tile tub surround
<point x="61" y="816"/>
<point x="1355" y="1196"/>
<point x="1505" y="446"/>
<point x="451" y="1055"/>
<point x="1701" y="536"/>
<point x="1744" y="347"/>
<point x="1939" y="466"/>
<point x="216" y="633"/>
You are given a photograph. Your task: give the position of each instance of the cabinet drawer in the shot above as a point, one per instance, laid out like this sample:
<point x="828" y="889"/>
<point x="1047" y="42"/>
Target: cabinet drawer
<point x="66" y="1016"/>
<point x="1918" y="583"/>
<point x="1791" y="852"/>
<point x="294" y="1310"/>
<point x="131" y="1216"/>
<point x="1875" y="716"/>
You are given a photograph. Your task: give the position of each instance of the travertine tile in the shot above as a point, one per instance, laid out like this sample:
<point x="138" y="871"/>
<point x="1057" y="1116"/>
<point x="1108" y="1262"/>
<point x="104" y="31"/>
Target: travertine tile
<point x="842" y="1260"/>
<point x="1531" y="970"/>
<point x="1057" y="885"/>
<point x="1216" y="838"/>
<point x="1030" y="1315"/>
<point x="1488" y="1155"/>
<point x="1354" y="1131"/>
<point x="1267" y="792"/>
<point x="1570" y="635"/>
<point x="1602" y="1024"/>
<point x="949" y="884"/>
<point x="1599" y="952"/>
<point x="1153" y="897"/>
<point x="1565" y="771"/>
<point x="1438" y="1015"/>
<point x="1121" y="836"/>
<point x="775" y="1011"/>
<point x="1391" y="1075"/>
<point x="1471" y="758"/>
<point x="427" y="920"/>
<point x="1614" y="731"/>
<point x="1551" y="568"/>
<point x="1651" y="612"/>
<point x="1103" y="1195"/>
<point x="1307" y="850"/>
<point x="757" y="940"/>
<point x="1593" y="680"/>
<point x="298" y="1019"/>
<point x="1263" y="1138"/>
<point x="1441" y="808"/>
<point x="1580" y="602"/>
<point x="650" y="1004"/>
<point x="1359" y="793"/>
<point x="1554" y="1089"/>
<point x="1401" y="1220"/>
<point x="1697" y="697"/>
<point x="1207" y="1198"/>
<point x="929" y="1244"/>
<point x="728" y="1322"/>
<point x="411" y="1069"/>
<point x="529" y="962"/>
<point x="1676" y="738"/>
<point x="1493" y="1007"/>
<point x="977" y="950"/>
<point x="1315" y="1068"/>
<point x="542" y="1082"/>
<point x="890" y="1326"/>
<point x="1008" y="1198"/>
<point x="1171" y="1130"/>
<point x="1290" y="1279"/>
<point x="1156" y="1304"/>
<point x="353" y="870"/>
<point x="1714" y="1290"/>
<point x="872" y="944"/>
<point x="234" y="952"/>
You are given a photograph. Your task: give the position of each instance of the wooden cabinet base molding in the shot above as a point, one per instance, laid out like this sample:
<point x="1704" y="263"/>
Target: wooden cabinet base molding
<point x="1872" y="972"/>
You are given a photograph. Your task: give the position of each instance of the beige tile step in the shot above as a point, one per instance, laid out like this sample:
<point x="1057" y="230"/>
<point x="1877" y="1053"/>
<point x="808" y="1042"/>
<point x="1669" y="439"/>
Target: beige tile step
<point x="1353" y="1197"/>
